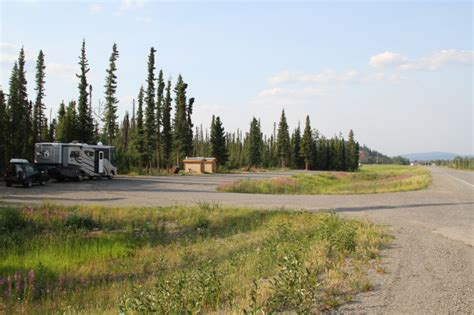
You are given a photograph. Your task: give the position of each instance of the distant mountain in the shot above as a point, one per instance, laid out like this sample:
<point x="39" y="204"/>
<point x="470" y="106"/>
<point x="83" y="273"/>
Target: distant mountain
<point x="430" y="156"/>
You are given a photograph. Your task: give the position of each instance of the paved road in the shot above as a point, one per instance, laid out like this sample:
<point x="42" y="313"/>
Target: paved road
<point x="429" y="267"/>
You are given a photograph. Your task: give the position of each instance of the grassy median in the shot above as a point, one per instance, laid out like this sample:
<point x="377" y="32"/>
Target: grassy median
<point x="369" y="179"/>
<point x="176" y="259"/>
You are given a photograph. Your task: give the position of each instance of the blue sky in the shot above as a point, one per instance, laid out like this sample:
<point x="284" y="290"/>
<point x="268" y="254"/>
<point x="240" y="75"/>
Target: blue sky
<point x="399" y="74"/>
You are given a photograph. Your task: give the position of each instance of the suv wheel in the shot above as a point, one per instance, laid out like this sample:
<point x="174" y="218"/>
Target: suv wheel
<point x="42" y="183"/>
<point x="28" y="183"/>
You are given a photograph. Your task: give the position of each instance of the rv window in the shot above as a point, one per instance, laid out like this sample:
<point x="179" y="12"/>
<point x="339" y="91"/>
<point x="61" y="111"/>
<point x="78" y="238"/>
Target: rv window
<point x="90" y="153"/>
<point x="106" y="154"/>
<point x="74" y="154"/>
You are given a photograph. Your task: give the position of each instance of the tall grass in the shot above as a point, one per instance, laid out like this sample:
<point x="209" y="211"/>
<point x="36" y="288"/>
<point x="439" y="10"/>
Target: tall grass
<point x="180" y="259"/>
<point x="370" y="179"/>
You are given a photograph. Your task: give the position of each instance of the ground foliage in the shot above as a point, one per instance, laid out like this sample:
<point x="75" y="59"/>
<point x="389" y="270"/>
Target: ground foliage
<point x="181" y="259"/>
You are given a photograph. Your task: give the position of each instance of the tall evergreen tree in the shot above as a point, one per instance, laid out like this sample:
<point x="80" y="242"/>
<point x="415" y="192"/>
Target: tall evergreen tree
<point x="189" y="126"/>
<point x="307" y="144"/>
<point x="352" y="156"/>
<point x="60" y="129"/>
<point x="140" y="131"/>
<point x="255" y="142"/>
<point x="218" y="143"/>
<point x="180" y="124"/>
<point x="111" y="101"/>
<point x="71" y="123"/>
<point x="150" y="115"/>
<point x="166" y="134"/>
<point x="39" y="107"/>
<point x="159" y="109"/>
<point x="3" y="131"/>
<point x="85" y="121"/>
<point x="296" y="148"/>
<point x="283" y="142"/>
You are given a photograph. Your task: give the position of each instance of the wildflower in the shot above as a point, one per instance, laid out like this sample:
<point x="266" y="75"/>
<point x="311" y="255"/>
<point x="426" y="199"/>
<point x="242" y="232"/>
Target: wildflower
<point x="17" y="278"/>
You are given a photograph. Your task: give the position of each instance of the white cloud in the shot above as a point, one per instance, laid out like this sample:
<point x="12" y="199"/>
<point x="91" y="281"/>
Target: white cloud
<point x="95" y="8"/>
<point x="440" y="59"/>
<point x="434" y="61"/>
<point x="144" y="19"/>
<point x="387" y="58"/>
<point x="63" y="71"/>
<point x="325" y="76"/>
<point x="126" y="5"/>
<point x="9" y="52"/>
<point x="284" y="92"/>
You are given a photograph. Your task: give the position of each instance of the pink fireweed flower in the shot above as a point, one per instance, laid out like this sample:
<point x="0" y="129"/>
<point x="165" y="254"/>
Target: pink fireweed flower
<point x="31" y="277"/>
<point x="17" y="278"/>
<point x="9" y="284"/>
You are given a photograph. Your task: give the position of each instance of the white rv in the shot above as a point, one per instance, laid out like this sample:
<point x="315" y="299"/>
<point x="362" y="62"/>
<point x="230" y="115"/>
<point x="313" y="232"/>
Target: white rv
<point x="75" y="160"/>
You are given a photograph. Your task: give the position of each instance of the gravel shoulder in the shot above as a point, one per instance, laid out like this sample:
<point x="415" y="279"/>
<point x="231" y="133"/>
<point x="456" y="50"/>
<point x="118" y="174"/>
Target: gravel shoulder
<point x="429" y="267"/>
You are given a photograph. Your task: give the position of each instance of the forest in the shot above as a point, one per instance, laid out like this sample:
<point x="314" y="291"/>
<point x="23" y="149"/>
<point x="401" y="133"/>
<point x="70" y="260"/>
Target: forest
<point x="157" y="132"/>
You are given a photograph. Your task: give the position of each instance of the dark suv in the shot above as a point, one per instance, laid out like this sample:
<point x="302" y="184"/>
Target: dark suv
<point x="22" y="172"/>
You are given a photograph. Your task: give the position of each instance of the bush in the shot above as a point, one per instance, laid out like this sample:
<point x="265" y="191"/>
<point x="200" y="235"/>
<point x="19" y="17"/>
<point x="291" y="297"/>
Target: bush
<point x="81" y="222"/>
<point x="11" y="220"/>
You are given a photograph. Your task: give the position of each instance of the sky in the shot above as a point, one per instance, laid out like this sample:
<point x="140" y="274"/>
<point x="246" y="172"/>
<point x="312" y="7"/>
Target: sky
<point x="398" y="73"/>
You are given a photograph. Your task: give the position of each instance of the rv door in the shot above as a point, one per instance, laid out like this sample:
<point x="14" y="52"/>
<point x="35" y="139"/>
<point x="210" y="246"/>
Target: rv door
<point x="101" y="162"/>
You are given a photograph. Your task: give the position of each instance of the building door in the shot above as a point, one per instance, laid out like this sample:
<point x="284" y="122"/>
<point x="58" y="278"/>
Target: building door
<point x="101" y="162"/>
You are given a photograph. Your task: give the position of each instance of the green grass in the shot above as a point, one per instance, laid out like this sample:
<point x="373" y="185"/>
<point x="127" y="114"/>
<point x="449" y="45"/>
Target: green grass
<point x="369" y="179"/>
<point x="176" y="259"/>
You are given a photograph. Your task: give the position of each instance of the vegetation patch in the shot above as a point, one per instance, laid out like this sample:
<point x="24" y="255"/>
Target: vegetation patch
<point x="181" y="259"/>
<point x="369" y="179"/>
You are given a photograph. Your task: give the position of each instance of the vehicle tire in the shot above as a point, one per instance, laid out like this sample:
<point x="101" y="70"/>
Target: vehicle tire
<point x="42" y="183"/>
<point x="80" y="178"/>
<point x="28" y="183"/>
<point x="111" y="175"/>
<point x="91" y="177"/>
<point x="8" y="184"/>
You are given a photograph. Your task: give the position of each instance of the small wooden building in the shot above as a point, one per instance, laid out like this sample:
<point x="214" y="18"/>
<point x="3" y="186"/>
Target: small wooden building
<point x="200" y="165"/>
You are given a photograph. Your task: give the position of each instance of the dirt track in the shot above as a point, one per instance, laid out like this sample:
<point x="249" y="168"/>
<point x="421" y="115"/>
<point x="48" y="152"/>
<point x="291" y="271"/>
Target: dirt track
<point x="430" y="267"/>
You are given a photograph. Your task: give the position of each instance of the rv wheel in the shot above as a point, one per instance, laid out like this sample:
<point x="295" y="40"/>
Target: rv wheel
<point x="80" y="177"/>
<point x="111" y="175"/>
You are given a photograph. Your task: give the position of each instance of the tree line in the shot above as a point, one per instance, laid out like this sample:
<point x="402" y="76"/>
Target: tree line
<point x="158" y="132"/>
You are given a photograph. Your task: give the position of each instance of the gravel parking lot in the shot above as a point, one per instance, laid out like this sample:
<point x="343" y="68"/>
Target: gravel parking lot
<point x="429" y="268"/>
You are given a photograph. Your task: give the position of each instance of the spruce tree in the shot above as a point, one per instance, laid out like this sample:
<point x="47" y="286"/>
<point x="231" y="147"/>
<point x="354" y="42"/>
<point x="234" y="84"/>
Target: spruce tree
<point x="189" y="126"/>
<point x="140" y="131"/>
<point x="296" y="148"/>
<point x="283" y="142"/>
<point x="159" y="109"/>
<point x="85" y="121"/>
<point x="218" y="142"/>
<point x="60" y="129"/>
<point x="150" y="115"/>
<point x="255" y="142"/>
<point x="180" y="123"/>
<point x="39" y="107"/>
<point x="3" y="131"/>
<point x="307" y="144"/>
<point x="166" y="134"/>
<point x="352" y="156"/>
<point x="111" y="101"/>
<point x="71" y="123"/>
